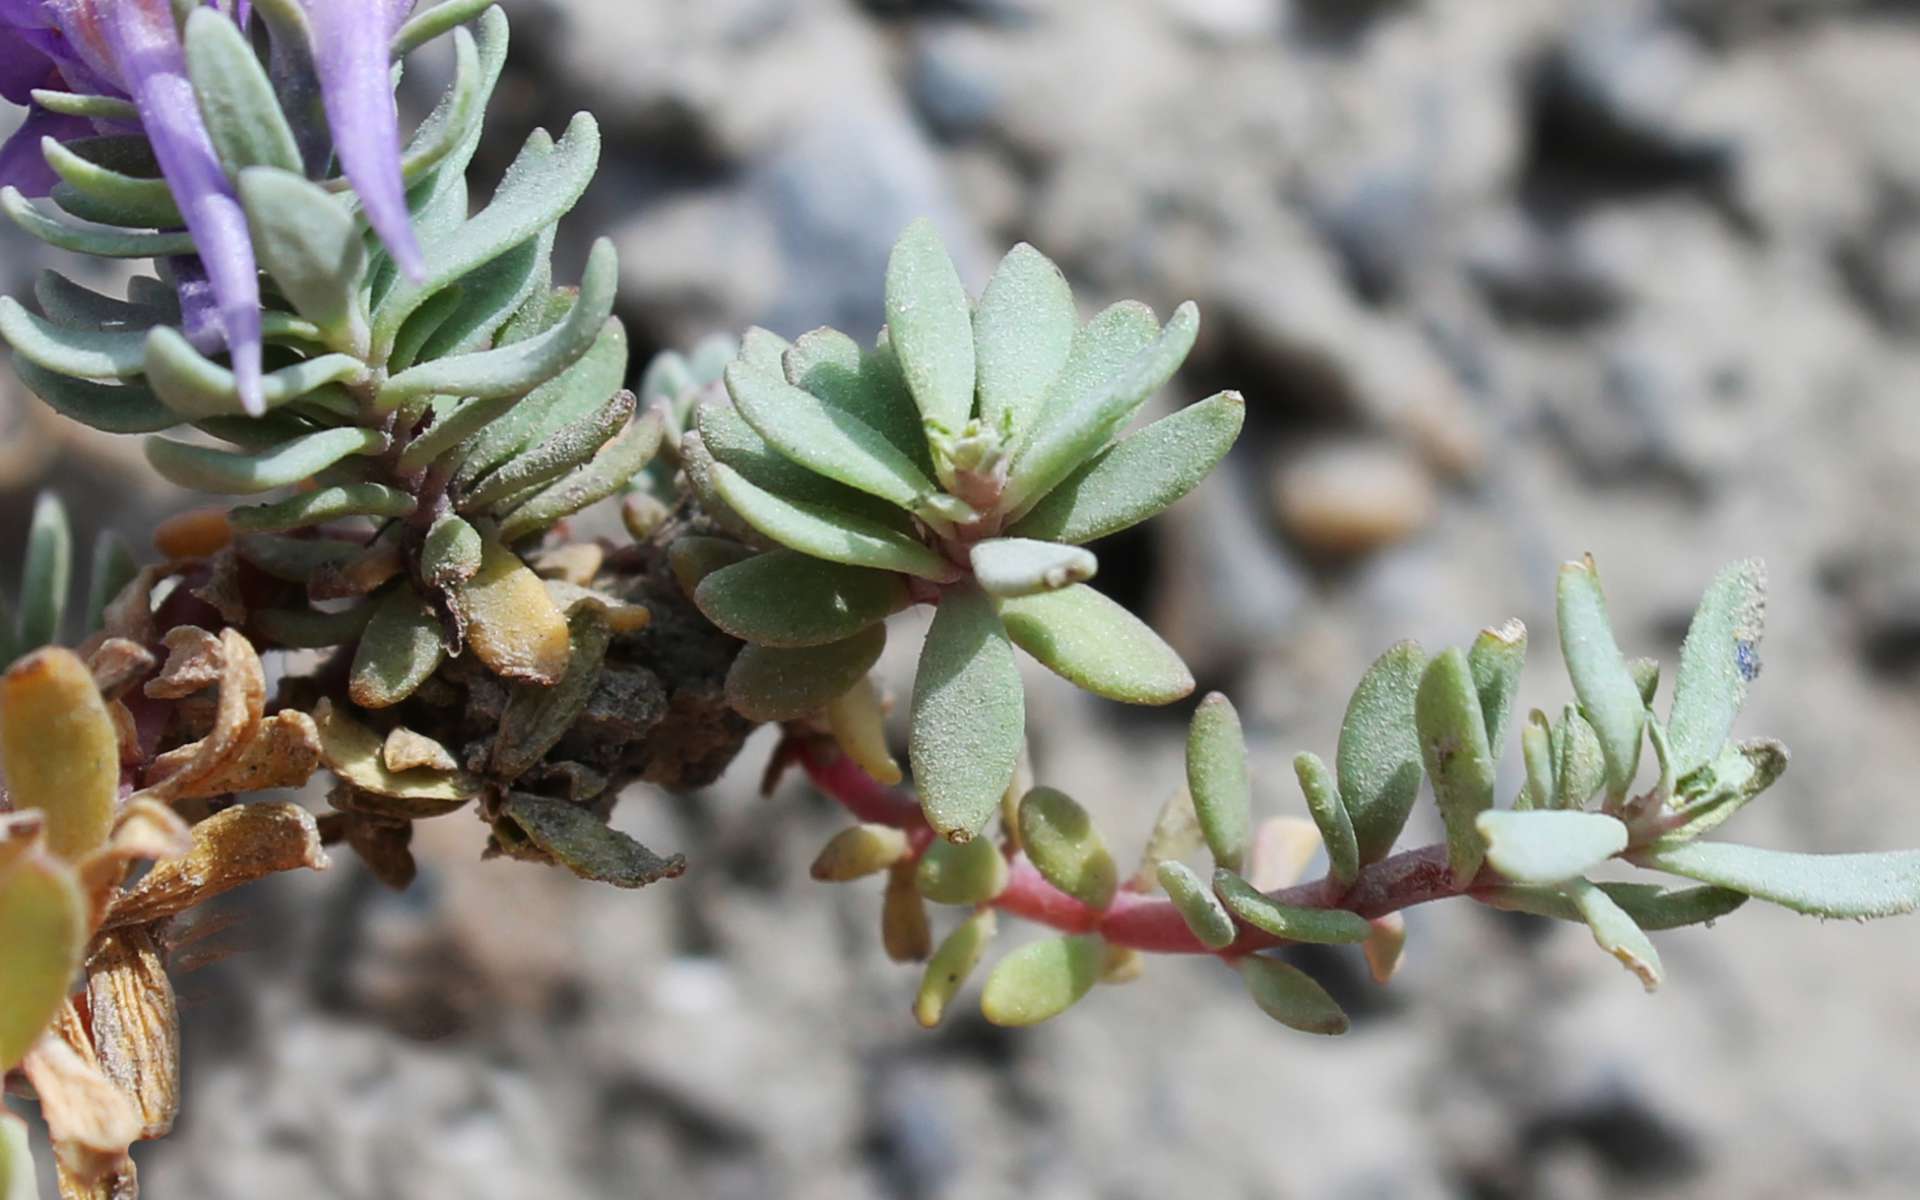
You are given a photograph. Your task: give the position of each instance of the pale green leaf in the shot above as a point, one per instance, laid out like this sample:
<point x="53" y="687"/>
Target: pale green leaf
<point x="1209" y="919"/>
<point x="117" y="353"/>
<point x="92" y="189"/>
<point x="108" y="407"/>
<point x="565" y="449"/>
<point x="824" y="438"/>
<point x="46" y="575"/>
<point x="402" y="645"/>
<point x="99" y="241"/>
<point x="1822" y="885"/>
<point x="1453" y="743"/>
<point x="429" y="23"/>
<point x="196" y="387"/>
<point x="784" y="598"/>
<point x="1023" y="331"/>
<point x="1015" y="567"/>
<point x="1718" y="660"/>
<point x="1291" y="997"/>
<point x="1294" y="923"/>
<point x="234" y="473"/>
<point x="1063" y="843"/>
<point x="1615" y="932"/>
<point x="1089" y="640"/>
<point x="1549" y="847"/>
<point x="1536" y="753"/>
<point x="1609" y="696"/>
<point x="1652" y="907"/>
<point x="333" y="503"/>
<point x="930" y="326"/>
<point x="780" y="683"/>
<point x="1379" y="762"/>
<point x="609" y="470"/>
<point x="969" y="714"/>
<point x="1742" y="772"/>
<point x="950" y="965"/>
<point x="1217" y="780"/>
<point x="113" y="568"/>
<point x="966" y="873"/>
<point x="237" y="103"/>
<point x="43" y="925"/>
<point x="825" y="533"/>
<point x="1580" y="765"/>
<point x="1042" y="979"/>
<point x="1138" y="476"/>
<point x="1336" y="826"/>
<point x="725" y="434"/>
<point x="308" y="242"/>
<point x="1496" y="659"/>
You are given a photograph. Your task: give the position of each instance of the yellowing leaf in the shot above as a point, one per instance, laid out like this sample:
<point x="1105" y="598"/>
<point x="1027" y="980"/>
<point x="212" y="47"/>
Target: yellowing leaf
<point x="58" y="749"/>
<point x="511" y="622"/>
<point x="43" y="927"/>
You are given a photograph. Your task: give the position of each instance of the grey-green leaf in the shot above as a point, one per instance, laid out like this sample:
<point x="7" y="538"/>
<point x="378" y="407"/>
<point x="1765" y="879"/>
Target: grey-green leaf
<point x="1023" y="331"/>
<point x="585" y="845"/>
<point x="1205" y="916"/>
<point x="1217" y="780"/>
<point x="1076" y="423"/>
<point x="46" y="577"/>
<point x="1089" y="640"/>
<point x="402" y="646"/>
<point x="1580" y="764"/>
<point x="609" y="471"/>
<point x="825" y="439"/>
<point x="1015" y="567"/>
<point x="1325" y="926"/>
<point x="1652" y="907"/>
<point x="113" y="568"/>
<point x="109" y="407"/>
<point x="1717" y="662"/>
<point x="241" y="474"/>
<point x="785" y="598"/>
<point x="1609" y="695"/>
<point x="332" y="503"/>
<point x="1822" y="885"/>
<point x="1379" y="762"/>
<point x="969" y="714"/>
<point x="1742" y="772"/>
<point x="100" y="241"/>
<point x="1291" y="997"/>
<point x="780" y="683"/>
<point x="1496" y="659"/>
<point x="1065" y="846"/>
<point x="196" y="387"/>
<point x="1336" y="826"/>
<point x="308" y="242"/>
<point x="1549" y="847"/>
<point x="825" y="533"/>
<point x="90" y="353"/>
<point x="237" y="103"/>
<point x="1138" y="476"/>
<point x="1453" y="743"/>
<point x="930" y="325"/>
<point x="1615" y="932"/>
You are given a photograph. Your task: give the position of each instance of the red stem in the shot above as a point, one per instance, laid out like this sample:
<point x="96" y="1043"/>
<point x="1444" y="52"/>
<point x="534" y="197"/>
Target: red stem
<point x="1133" y="920"/>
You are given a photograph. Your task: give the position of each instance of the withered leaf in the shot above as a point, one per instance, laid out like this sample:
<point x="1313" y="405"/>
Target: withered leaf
<point x="117" y="664"/>
<point x="512" y="624"/>
<point x="904" y="931"/>
<point x="384" y="846"/>
<point x="195" y="662"/>
<point x="538" y="717"/>
<point x="237" y="715"/>
<point x="404" y="750"/>
<point x="144" y="829"/>
<point x="585" y="845"/>
<point x="284" y="753"/>
<point x="357" y="755"/>
<point x="222" y="589"/>
<point x="136" y="1025"/>
<point x="89" y="1119"/>
<point x="232" y="847"/>
<point x="59" y="749"/>
<point x="623" y="616"/>
<point x="574" y="562"/>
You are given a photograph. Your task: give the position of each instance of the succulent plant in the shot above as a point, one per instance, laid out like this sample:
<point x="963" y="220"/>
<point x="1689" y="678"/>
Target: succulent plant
<point x="962" y="461"/>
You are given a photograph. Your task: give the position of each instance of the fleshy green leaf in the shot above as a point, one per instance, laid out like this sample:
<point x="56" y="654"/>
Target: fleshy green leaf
<point x="108" y="407"/>
<point x="1060" y="838"/>
<point x="1822" y="885"/>
<point x="43" y="924"/>
<point x="1718" y="660"/>
<point x="58" y="749"/>
<point x="112" y="569"/>
<point x="582" y="843"/>
<point x="1291" y="997"/>
<point x="196" y="387"/>
<point x="783" y="598"/>
<point x="512" y="426"/>
<point x="969" y="714"/>
<point x="930" y="326"/>
<point x="968" y="873"/>
<point x="1652" y="907"/>
<point x="1336" y="827"/>
<point x="1496" y="659"/>
<point x="46" y="577"/>
<point x="725" y="434"/>
<point x="1328" y="926"/>
<point x="1209" y="919"/>
<point x="537" y="715"/>
<point x="402" y="646"/>
<point x="1453" y="741"/>
<point x="92" y="189"/>
<point x="1646" y="676"/>
<point x="1379" y="763"/>
<point x="1089" y="640"/>
<point x="609" y="470"/>
<point x="825" y="533"/>
<point x="1549" y="847"/>
<point x="1023" y="331"/>
<point x="1609" y="697"/>
<point x="237" y="103"/>
<point x="1217" y="780"/>
<point x="212" y="470"/>
<point x="1615" y="932"/>
<point x="950" y="965"/>
<point x="826" y="440"/>
<point x="430" y="23"/>
<point x="451" y="552"/>
<point x="91" y="353"/>
<point x="566" y="449"/>
<point x="99" y="241"/>
<point x="1536" y="753"/>
<point x="338" y="502"/>
<point x="1580" y="765"/>
<point x="1139" y="475"/>
<point x="1015" y="567"/>
<point x="1075" y="423"/>
<point x="780" y="683"/>
<point x="311" y="247"/>
<point x="520" y="366"/>
<point x="865" y="385"/>
<point x="1042" y="979"/>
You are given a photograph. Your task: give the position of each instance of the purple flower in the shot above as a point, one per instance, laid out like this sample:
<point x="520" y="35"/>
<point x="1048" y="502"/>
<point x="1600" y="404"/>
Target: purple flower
<point x="351" y="56"/>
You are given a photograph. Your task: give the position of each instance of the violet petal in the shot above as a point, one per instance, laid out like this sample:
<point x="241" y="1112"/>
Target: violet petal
<point x="351" y="40"/>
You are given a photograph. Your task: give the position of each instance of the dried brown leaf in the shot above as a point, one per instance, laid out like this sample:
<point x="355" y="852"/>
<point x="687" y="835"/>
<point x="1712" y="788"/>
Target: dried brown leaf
<point x="89" y="1119"/>
<point x="117" y="664"/>
<point x="384" y="846"/>
<point x="284" y="753"/>
<point x="223" y="588"/>
<point x="405" y="750"/>
<point x="237" y="716"/>
<point x="195" y="661"/>
<point x="136" y="1024"/>
<point x="236" y="846"/>
<point x="573" y="562"/>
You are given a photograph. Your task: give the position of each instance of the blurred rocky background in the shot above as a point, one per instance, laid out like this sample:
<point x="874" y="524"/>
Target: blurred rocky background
<point x="1502" y="281"/>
